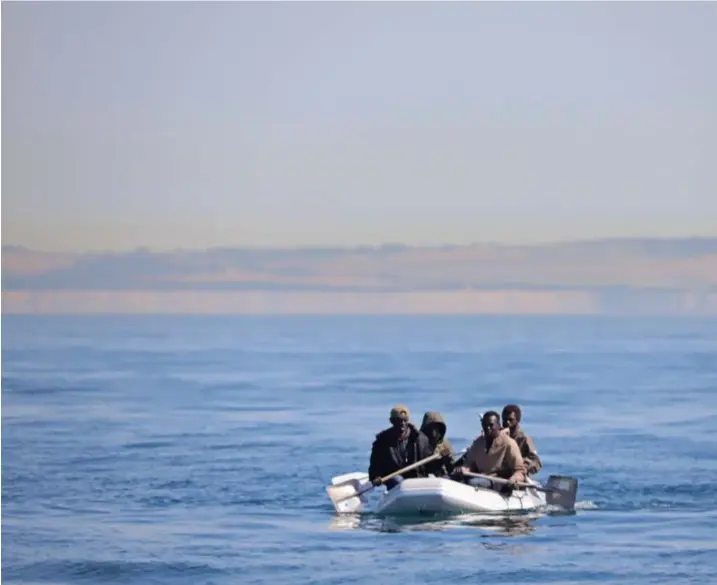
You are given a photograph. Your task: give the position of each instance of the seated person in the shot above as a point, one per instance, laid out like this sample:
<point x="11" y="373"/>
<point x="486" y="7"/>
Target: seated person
<point x="511" y="421"/>
<point x="397" y="447"/>
<point x="495" y="453"/>
<point x="434" y="427"/>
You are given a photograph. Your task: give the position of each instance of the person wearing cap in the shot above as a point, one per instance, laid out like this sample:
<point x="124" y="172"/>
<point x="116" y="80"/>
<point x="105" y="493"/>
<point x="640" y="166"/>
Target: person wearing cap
<point x="396" y="447"/>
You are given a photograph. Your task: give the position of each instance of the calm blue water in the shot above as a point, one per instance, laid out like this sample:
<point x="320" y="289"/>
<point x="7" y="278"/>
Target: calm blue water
<point x="194" y="450"/>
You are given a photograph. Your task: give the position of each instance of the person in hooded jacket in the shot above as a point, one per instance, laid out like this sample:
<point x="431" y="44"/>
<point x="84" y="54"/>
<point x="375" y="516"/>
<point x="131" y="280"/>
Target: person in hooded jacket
<point x="396" y="447"/>
<point x="434" y="427"/>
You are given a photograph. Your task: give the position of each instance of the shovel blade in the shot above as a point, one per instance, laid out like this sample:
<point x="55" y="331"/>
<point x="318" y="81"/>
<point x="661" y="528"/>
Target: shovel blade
<point x="561" y="491"/>
<point x="346" y="498"/>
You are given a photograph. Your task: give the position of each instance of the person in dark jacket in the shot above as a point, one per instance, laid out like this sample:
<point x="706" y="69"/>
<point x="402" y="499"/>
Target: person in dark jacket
<point x="434" y="427"/>
<point x="396" y="447"/>
<point x="511" y="416"/>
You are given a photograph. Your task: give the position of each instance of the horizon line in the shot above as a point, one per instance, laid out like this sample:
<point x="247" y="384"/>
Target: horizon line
<point x="331" y="315"/>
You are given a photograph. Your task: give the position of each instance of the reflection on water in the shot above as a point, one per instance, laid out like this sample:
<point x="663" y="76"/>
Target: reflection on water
<point x="503" y="526"/>
<point x="345" y="522"/>
<point x="491" y="524"/>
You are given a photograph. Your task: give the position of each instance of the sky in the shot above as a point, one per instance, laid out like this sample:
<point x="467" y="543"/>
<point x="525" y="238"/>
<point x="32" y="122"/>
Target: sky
<point x="193" y="125"/>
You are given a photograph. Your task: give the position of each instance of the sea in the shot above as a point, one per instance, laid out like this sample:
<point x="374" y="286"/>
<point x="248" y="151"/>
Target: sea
<point x="196" y="450"/>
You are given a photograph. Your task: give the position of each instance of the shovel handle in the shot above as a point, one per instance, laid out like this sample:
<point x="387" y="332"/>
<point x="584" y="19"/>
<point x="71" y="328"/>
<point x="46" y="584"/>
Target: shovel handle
<point x="402" y="470"/>
<point x="500" y="480"/>
<point x="413" y="466"/>
<point x="519" y="485"/>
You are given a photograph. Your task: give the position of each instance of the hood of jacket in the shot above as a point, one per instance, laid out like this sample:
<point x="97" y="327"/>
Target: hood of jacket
<point x="434" y="418"/>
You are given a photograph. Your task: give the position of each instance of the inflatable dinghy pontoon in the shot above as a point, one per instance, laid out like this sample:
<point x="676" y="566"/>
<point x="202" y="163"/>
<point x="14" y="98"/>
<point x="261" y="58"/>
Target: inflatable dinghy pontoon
<point x="441" y="495"/>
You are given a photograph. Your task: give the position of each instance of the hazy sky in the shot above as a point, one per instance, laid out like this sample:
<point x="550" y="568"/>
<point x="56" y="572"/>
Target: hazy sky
<point x="193" y="125"/>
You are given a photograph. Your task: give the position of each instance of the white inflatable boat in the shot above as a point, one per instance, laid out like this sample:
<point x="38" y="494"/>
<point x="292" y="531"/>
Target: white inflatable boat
<point x="431" y="495"/>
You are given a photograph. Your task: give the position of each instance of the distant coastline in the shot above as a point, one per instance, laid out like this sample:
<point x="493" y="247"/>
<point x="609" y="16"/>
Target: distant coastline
<point x="612" y="276"/>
